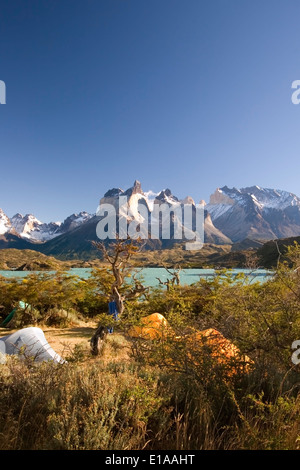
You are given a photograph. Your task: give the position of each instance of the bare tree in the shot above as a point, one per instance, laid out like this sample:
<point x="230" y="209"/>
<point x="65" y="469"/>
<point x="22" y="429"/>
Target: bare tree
<point x="175" y="277"/>
<point x="119" y="255"/>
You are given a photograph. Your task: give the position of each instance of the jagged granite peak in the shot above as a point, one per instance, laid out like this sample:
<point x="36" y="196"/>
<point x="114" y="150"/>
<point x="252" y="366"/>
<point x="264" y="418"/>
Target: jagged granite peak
<point x="135" y="189"/>
<point x="189" y="200"/>
<point x="134" y="195"/>
<point x="117" y="192"/>
<point x="166" y="196"/>
<point x="114" y="192"/>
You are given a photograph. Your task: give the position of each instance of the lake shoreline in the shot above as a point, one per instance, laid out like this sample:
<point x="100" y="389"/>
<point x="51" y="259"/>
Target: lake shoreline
<point x="151" y="276"/>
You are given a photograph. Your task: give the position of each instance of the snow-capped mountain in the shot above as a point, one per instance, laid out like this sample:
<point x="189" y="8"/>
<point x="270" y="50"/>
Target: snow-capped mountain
<point x="30" y="228"/>
<point x="73" y="221"/>
<point x="135" y="196"/>
<point x="232" y="215"/>
<point x="5" y="224"/>
<point x="254" y="212"/>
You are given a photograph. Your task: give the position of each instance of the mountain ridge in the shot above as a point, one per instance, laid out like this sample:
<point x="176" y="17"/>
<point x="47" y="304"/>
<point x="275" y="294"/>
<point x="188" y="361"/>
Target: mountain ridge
<point x="255" y="212"/>
<point x="231" y="216"/>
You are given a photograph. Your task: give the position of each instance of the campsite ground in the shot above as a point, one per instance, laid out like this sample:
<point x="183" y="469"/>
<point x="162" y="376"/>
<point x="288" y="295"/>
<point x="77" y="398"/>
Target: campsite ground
<point x="64" y="341"/>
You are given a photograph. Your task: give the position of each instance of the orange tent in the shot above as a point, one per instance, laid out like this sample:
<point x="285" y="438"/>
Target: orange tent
<point x="222" y="349"/>
<point x="152" y="327"/>
<point x="156" y="327"/>
<point x="213" y="338"/>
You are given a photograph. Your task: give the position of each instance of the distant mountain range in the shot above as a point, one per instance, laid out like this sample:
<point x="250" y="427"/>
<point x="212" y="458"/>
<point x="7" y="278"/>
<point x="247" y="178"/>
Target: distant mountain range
<point x="255" y="213"/>
<point x="232" y="216"/>
<point x="30" y="228"/>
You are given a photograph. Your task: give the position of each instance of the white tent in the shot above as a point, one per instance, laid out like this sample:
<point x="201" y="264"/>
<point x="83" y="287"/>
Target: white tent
<point x="28" y="342"/>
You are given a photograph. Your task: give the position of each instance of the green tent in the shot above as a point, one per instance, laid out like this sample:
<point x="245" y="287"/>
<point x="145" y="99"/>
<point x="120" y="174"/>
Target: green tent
<point x="21" y="305"/>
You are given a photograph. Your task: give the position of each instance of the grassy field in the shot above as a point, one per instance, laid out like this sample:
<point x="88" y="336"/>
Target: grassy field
<point x="172" y="392"/>
<point x="116" y="401"/>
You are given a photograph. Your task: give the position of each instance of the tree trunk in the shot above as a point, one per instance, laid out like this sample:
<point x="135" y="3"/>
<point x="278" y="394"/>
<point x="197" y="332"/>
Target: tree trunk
<point x="118" y="298"/>
<point x="97" y="340"/>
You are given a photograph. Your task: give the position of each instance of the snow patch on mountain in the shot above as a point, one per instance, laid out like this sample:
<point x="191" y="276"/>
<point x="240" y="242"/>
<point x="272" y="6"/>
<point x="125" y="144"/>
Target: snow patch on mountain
<point x="29" y="227"/>
<point x="272" y="198"/>
<point x="223" y="199"/>
<point x="150" y="197"/>
<point x="134" y="203"/>
<point x="32" y="229"/>
<point x="5" y="224"/>
<point x="73" y="221"/>
<point x="216" y="210"/>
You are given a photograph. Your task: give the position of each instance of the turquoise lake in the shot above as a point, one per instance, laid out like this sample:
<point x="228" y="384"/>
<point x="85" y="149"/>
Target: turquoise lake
<point x="150" y="275"/>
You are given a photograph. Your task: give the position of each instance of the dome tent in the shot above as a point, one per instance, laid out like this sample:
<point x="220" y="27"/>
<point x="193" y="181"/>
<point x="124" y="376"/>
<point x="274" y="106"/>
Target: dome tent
<point x="28" y="342"/>
<point x="21" y="305"/>
<point x="151" y="327"/>
<point x="2" y="352"/>
<point x="221" y="349"/>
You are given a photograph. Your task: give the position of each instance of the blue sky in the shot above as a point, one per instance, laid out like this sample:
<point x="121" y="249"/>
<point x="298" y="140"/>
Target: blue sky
<point x="190" y="95"/>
